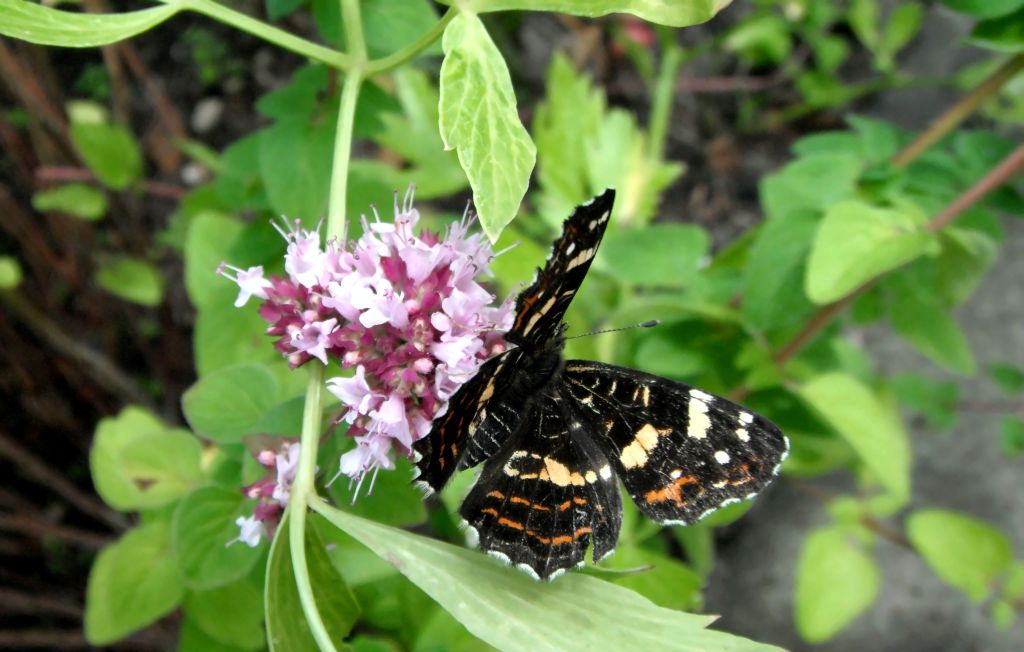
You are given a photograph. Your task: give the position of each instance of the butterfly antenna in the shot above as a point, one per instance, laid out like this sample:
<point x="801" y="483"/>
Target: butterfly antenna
<point x="650" y="323"/>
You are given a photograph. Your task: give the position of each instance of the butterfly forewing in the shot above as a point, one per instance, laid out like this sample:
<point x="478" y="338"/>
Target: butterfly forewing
<point x="541" y="307"/>
<point x="546" y="495"/>
<point x="681" y="452"/>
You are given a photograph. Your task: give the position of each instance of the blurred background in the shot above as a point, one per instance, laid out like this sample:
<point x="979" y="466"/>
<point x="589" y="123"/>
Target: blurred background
<point x="96" y="220"/>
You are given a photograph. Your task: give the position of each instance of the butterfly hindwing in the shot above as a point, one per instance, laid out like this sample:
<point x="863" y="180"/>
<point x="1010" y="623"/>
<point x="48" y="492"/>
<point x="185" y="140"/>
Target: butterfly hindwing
<point x="681" y="452"/>
<point x="540" y="307"/>
<point x="546" y="495"/>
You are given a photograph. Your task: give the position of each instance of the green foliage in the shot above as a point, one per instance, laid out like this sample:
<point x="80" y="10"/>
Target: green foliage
<point x="203" y="529"/>
<point x="10" y="273"/>
<point x="286" y="624"/>
<point x="44" y="25"/>
<point x="249" y="389"/>
<point x="77" y="199"/>
<point x="133" y="280"/>
<point x="967" y="553"/>
<point x="676" y="13"/>
<point x="475" y="588"/>
<point x="836" y="580"/>
<point x="133" y="582"/>
<point x="110" y="151"/>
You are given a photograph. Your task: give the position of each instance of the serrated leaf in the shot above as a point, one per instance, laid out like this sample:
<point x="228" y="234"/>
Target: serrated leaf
<point x="203" y="528"/>
<point x="674" y="13"/>
<point x="478" y="591"/>
<point x="856" y="242"/>
<point x="133" y="280"/>
<point x="287" y="629"/>
<point x="478" y="118"/>
<point x="869" y="425"/>
<point x="835" y="582"/>
<point x="44" y="25"/>
<point x="133" y="582"/>
<point x="113" y="435"/>
<point x="162" y="467"/>
<point x="963" y="551"/>
<point x="226" y="404"/>
<point x="77" y="199"/>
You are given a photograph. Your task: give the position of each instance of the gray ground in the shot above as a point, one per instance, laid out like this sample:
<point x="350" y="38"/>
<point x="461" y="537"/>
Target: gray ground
<point x="752" y="586"/>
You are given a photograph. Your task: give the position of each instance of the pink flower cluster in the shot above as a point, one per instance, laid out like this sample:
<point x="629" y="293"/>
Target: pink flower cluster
<point x="272" y="492"/>
<point x="405" y="311"/>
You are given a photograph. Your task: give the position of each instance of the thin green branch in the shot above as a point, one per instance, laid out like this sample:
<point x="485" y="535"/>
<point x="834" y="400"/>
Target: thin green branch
<point x="405" y="54"/>
<point x="354" y="39"/>
<point x="342" y="154"/>
<point x="663" y="99"/>
<point x="269" y="33"/>
<point x="302" y="492"/>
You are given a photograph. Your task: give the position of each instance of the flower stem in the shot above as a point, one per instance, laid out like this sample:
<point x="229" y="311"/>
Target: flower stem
<point x="302" y="491"/>
<point x="343" y="153"/>
<point x="399" y="57"/>
<point x="663" y="99"/>
<point x="268" y="33"/>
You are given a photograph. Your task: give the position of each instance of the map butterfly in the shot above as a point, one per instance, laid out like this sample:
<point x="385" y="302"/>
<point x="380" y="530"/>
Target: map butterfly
<point x="556" y="436"/>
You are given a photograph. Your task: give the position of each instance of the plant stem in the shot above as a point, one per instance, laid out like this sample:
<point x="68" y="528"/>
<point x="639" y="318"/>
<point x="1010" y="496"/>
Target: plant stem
<point x="302" y="491"/>
<point x="268" y="33"/>
<point x="661" y="104"/>
<point x="342" y="154"/>
<point x="959" y="112"/>
<point x="399" y="57"/>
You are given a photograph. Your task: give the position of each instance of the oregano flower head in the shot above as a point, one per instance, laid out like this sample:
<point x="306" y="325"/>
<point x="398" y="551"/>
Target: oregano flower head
<point x="405" y="311"/>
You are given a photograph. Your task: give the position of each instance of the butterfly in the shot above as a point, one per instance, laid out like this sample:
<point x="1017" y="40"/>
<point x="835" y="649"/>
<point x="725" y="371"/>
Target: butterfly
<point x="557" y="435"/>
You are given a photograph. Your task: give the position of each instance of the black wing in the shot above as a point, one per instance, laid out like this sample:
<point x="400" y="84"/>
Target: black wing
<point x="682" y="453"/>
<point x="539" y="502"/>
<point x="480" y="418"/>
<point x="540" y="307"/>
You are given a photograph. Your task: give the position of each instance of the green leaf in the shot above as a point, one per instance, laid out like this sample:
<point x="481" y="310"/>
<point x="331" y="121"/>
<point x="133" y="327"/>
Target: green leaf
<point x="666" y="355"/>
<point x="394" y="500"/>
<point x="210" y="236"/>
<point x="1003" y="34"/>
<point x="478" y="117"/>
<point x="295" y="164"/>
<point x="226" y="404"/>
<point x="966" y="257"/>
<point x="674" y="13"/>
<point x="133" y="280"/>
<point x="917" y="315"/>
<point x="668" y="583"/>
<point x="44" y="25"/>
<point x="442" y="632"/>
<point x="1007" y="377"/>
<point x="113" y="435"/>
<point x="133" y="582"/>
<point x="231" y="615"/>
<point x="813" y="182"/>
<point x="835" y="582"/>
<point x="478" y="592"/>
<point x="773" y="293"/>
<point x="162" y="467"/>
<point x="110" y="151"/>
<point x="863" y="19"/>
<point x="78" y="199"/>
<point x="10" y="273"/>
<point x="1011" y="436"/>
<point x="904" y="23"/>
<point x="287" y="629"/>
<point x="661" y="255"/>
<point x="390" y="25"/>
<point x="869" y="425"/>
<point x="857" y="242"/>
<point x="192" y="638"/>
<point x="984" y="8"/>
<point x="698" y="542"/>
<point x="965" y="552"/>
<point x="202" y="531"/>
<point x="284" y="419"/>
<point x="225" y="335"/>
